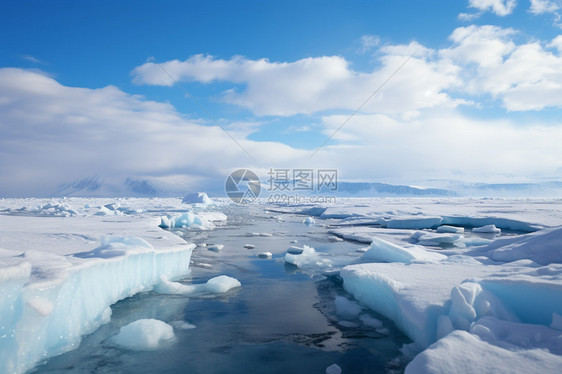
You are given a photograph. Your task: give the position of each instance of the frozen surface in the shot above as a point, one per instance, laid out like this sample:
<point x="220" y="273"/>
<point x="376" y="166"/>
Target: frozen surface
<point x="470" y="301"/>
<point x="60" y="275"/>
<point x="144" y="334"/>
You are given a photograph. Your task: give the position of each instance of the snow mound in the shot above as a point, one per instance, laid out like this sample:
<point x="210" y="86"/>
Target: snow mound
<point x="385" y="251"/>
<point x="214" y="286"/>
<point x="543" y="247"/>
<point x="144" y="335"/>
<point x="465" y="353"/>
<point x="197" y="198"/>
<point x="115" y="246"/>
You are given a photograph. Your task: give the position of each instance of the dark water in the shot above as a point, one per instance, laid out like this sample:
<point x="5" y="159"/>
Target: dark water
<point x="282" y="319"/>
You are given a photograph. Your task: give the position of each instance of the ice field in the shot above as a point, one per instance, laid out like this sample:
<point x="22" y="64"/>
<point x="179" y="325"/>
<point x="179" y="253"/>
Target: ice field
<point x="415" y="285"/>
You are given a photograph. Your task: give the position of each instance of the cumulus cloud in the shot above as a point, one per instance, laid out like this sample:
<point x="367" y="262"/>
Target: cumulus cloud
<point x="543" y="6"/>
<point x="53" y="133"/>
<point x="524" y="76"/>
<point x="499" y="7"/>
<point x="316" y="84"/>
<point x="368" y="42"/>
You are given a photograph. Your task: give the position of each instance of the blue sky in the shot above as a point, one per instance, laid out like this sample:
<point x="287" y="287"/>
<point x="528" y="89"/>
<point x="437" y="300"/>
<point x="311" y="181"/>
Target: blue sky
<point x="478" y="98"/>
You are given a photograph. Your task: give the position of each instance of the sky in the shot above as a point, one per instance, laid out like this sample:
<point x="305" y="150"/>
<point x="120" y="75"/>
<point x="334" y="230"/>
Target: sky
<point x="184" y="92"/>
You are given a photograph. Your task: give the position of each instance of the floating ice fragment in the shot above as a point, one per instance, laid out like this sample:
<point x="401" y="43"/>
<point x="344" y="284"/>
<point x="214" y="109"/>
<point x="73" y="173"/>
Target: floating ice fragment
<point x="265" y="255"/>
<point x="309" y="221"/>
<point x="346" y="308"/>
<point x="450" y="229"/>
<point x="370" y="321"/>
<point x="215" y="247"/>
<point x="488" y="229"/>
<point x="144" y="335"/>
<point x="333" y="369"/>
<point x="214" y="286"/>
<point x="295" y="250"/>
<point x="249" y="246"/>
<point x="188" y="219"/>
<point x="182" y="325"/>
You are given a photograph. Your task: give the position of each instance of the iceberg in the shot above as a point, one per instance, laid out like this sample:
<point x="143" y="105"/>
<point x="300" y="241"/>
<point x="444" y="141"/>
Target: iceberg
<point x="144" y="335"/>
<point x="197" y="198"/>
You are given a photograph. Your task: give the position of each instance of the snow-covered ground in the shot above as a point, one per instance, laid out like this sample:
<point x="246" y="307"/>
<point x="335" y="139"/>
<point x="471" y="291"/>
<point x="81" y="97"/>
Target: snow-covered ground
<point x="476" y="284"/>
<point x="63" y="263"/>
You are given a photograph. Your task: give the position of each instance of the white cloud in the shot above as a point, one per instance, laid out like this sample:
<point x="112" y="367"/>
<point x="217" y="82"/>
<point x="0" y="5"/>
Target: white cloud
<point x="524" y="77"/>
<point x="368" y="42"/>
<point x="499" y="7"/>
<point x="543" y="6"/>
<point x="441" y="142"/>
<point x="318" y="83"/>
<point x="53" y="133"/>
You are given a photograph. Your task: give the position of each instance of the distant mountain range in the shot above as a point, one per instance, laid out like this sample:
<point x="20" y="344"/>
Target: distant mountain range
<point x="95" y="186"/>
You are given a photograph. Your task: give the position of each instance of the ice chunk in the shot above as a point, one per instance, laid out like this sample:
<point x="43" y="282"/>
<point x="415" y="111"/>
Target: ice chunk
<point x="435" y="239"/>
<point x="144" y="335"/>
<point x="197" y="198"/>
<point x="333" y="369"/>
<point x="188" y="219"/>
<point x="307" y="259"/>
<point x="265" y="255"/>
<point x="413" y="295"/>
<point x="214" y="286"/>
<point x="450" y="229"/>
<point x="309" y="221"/>
<point x="346" y="308"/>
<point x="488" y="229"/>
<point x="295" y="250"/>
<point x="249" y="246"/>
<point x="215" y="247"/>
<point x="385" y="251"/>
<point x="60" y="209"/>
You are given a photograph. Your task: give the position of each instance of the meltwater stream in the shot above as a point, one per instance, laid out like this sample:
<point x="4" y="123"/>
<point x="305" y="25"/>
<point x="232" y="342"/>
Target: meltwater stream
<point x="282" y="320"/>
